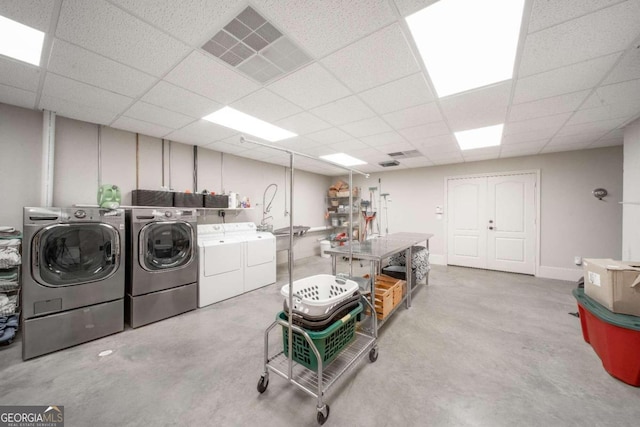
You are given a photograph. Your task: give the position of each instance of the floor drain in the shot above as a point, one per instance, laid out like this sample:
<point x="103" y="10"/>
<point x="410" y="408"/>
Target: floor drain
<point x="105" y="353"/>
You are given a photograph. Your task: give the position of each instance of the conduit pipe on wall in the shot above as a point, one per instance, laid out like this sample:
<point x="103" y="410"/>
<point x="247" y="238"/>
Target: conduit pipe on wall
<point x="99" y="156"/>
<point x="48" y="155"/>
<point x="137" y="161"/>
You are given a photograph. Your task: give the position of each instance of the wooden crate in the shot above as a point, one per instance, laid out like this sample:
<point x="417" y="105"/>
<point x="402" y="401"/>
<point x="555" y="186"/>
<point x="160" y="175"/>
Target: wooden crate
<point x="388" y="294"/>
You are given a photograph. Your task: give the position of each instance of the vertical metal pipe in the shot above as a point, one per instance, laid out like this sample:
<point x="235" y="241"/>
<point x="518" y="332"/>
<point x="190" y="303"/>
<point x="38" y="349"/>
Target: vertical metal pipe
<point x="170" y="187"/>
<point x="48" y="155"/>
<point x="99" y="155"/>
<point x="291" y="165"/>
<point x="163" y="162"/>
<point x="351" y="223"/>
<point x="138" y="161"/>
<point x="195" y="168"/>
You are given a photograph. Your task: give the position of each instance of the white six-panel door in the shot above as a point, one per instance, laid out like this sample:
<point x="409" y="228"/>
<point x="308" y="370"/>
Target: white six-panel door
<point x="491" y="222"/>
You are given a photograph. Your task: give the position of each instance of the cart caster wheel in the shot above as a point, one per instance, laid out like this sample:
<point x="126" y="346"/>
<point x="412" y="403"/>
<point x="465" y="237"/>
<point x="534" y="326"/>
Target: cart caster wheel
<point x="321" y="417"/>
<point x="373" y="354"/>
<point x="262" y="384"/>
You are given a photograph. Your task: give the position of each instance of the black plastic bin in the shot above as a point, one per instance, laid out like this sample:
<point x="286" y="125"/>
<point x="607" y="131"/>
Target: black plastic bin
<point x="216" y="201"/>
<point x="151" y="198"/>
<point x="188" y="200"/>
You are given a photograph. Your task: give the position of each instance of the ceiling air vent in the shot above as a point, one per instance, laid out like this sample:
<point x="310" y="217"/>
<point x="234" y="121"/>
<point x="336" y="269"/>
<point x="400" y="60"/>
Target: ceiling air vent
<point x="256" y="48"/>
<point x="405" y="154"/>
<point x="389" y="163"/>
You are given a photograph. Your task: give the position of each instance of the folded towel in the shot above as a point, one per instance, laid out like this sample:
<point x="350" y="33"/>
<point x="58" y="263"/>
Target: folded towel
<point x="4" y="300"/>
<point x="6" y="229"/>
<point x="8" y="275"/>
<point x="10" y="307"/>
<point x="10" y="242"/>
<point x="9" y="257"/>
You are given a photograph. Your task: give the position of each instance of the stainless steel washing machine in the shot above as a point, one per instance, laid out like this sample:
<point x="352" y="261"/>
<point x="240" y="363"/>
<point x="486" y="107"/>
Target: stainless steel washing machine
<point x="162" y="264"/>
<point x="73" y="281"/>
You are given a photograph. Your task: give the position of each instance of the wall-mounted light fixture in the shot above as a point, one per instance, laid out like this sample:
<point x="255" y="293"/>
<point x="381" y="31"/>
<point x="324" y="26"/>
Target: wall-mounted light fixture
<point x="599" y="193"/>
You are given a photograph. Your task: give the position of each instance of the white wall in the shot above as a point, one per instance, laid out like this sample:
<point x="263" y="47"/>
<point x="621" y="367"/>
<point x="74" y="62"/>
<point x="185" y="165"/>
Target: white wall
<point x="20" y="162"/>
<point x="631" y="210"/>
<point x="76" y="171"/>
<point x="572" y="222"/>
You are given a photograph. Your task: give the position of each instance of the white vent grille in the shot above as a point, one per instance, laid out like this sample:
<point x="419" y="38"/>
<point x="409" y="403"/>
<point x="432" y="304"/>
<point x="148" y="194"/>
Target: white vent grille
<point x="256" y="48"/>
<point x="405" y="154"/>
<point x="389" y="163"/>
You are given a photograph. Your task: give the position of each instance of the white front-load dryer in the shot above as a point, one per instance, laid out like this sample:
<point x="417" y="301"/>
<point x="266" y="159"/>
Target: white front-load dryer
<point x="259" y="261"/>
<point x="221" y="274"/>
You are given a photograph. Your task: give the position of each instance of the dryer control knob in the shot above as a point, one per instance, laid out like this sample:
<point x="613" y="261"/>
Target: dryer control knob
<point x="168" y="214"/>
<point x="80" y="214"/>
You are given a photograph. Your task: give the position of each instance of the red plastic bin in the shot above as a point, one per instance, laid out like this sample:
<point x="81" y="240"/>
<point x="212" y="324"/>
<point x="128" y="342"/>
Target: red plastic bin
<point x="614" y="337"/>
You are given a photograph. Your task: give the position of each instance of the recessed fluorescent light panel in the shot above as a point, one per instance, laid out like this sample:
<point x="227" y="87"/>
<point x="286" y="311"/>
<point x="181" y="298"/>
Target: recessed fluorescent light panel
<point x="467" y="44"/>
<point x="234" y="119"/>
<point x="479" y="138"/>
<point x="343" y="159"/>
<point x="20" y="42"/>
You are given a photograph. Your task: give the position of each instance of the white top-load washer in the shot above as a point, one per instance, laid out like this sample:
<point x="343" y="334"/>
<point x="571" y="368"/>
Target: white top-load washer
<point x="221" y="272"/>
<point x="259" y="254"/>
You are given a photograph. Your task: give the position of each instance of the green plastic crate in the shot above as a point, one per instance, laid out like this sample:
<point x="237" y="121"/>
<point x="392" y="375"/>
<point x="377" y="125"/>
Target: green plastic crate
<point x="329" y="342"/>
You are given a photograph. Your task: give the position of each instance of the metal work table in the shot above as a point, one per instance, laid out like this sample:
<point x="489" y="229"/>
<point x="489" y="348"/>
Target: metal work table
<point x="377" y="249"/>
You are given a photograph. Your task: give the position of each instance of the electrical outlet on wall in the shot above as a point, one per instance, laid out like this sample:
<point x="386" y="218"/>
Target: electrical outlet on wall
<point x="577" y="260"/>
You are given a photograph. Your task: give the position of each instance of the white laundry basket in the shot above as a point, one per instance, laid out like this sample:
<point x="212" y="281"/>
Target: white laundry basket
<point x="317" y="295"/>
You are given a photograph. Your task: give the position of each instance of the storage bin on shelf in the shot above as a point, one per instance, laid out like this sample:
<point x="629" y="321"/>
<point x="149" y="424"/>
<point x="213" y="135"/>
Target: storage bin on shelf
<point x="329" y="342"/>
<point x="614" y="337"/>
<point x="317" y="295"/>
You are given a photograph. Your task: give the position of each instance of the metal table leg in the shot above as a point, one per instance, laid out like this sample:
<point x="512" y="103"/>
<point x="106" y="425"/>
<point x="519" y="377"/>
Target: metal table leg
<point x="408" y="256"/>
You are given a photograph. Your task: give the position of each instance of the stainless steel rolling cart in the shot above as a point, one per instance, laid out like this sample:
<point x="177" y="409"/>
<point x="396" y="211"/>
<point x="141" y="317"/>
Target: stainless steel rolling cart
<point x="315" y="382"/>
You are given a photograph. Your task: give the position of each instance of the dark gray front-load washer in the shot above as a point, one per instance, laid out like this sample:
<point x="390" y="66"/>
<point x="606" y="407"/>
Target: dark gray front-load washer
<point x="162" y="265"/>
<point x="73" y="280"/>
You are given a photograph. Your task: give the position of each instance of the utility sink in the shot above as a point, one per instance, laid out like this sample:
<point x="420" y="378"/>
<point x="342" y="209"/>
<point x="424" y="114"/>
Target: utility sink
<point x="282" y="236"/>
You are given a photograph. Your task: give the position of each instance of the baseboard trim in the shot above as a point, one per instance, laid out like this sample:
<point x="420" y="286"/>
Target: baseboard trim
<point x="437" y="259"/>
<point x="569" y="274"/>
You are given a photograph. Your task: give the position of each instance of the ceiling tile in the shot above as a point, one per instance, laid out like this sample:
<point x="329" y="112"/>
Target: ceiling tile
<point x="583" y="38"/>
<point x="480" y="157"/>
<point x="298" y="143"/>
<point x="407" y="7"/>
<point x="593" y="128"/>
<point x="417" y="162"/>
<point x="545" y="13"/>
<point x="446" y="158"/>
<point x="386" y="138"/>
<point x="595" y="114"/>
<point x="393" y="148"/>
<point x="192" y="21"/>
<point x="201" y="132"/>
<point x="75" y="110"/>
<point x="414" y="116"/>
<point x="547" y="106"/>
<point x="366" y="127"/>
<point x="329" y="136"/>
<point x="397" y="95"/>
<point x="549" y="124"/>
<point x="437" y="140"/>
<point x="139" y="126"/>
<point x="207" y="77"/>
<point x="266" y="105"/>
<point x="343" y="111"/>
<point x="180" y="100"/>
<point x="575" y="139"/>
<point x="532" y="147"/>
<point x="79" y="64"/>
<point x="83" y="94"/>
<point x="34" y="13"/>
<point x="14" y="96"/>
<point x="425" y="131"/>
<point x="607" y="143"/>
<point x="621" y="99"/>
<point x="627" y="69"/>
<point x="296" y="87"/>
<point x="440" y="150"/>
<point x="348" y="145"/>
<point x="19" y="74"/>
<point x="365" y="153"/>
<point x="159" y="116"/>
<point x="521" y="153"/>
<point x="520" y="138"/>
<point x="103" y="28"/>
<point x="225" y="147"/>
<point x="477" y="108"/>
<point x="303" y="123"/>
<point x="572" y="78"/>
<point x="565" y="147"/>
<point x="323" y="27"/>
<point x="386" y="51"/>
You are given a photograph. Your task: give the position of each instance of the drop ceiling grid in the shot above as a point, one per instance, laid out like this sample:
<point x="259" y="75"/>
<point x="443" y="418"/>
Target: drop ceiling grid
<point x="581" y="39"/>
<point x="19" y="75"/>
<point x="180" y="100"/>
<point x="106" y="29"/>
<point x="266" y="105"/>
<point x="34" y="13"/>
<point x="15" y="96"/>
<point x="85" y="66"/>
<point x="140" y="126"/>
<point x="157" y="115"/>
<point x="477" y="108"/>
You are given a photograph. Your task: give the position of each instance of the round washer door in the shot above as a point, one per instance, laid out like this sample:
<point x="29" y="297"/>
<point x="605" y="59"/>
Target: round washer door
<point x="166" y="245"/>
<point x="74" y="254"/>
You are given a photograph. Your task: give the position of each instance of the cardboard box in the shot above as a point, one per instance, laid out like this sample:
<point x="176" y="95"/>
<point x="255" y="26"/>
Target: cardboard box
<point x="614" y="284"/>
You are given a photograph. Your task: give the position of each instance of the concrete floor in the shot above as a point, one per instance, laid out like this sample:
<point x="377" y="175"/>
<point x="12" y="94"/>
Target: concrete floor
<point x="478" y="348"/>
